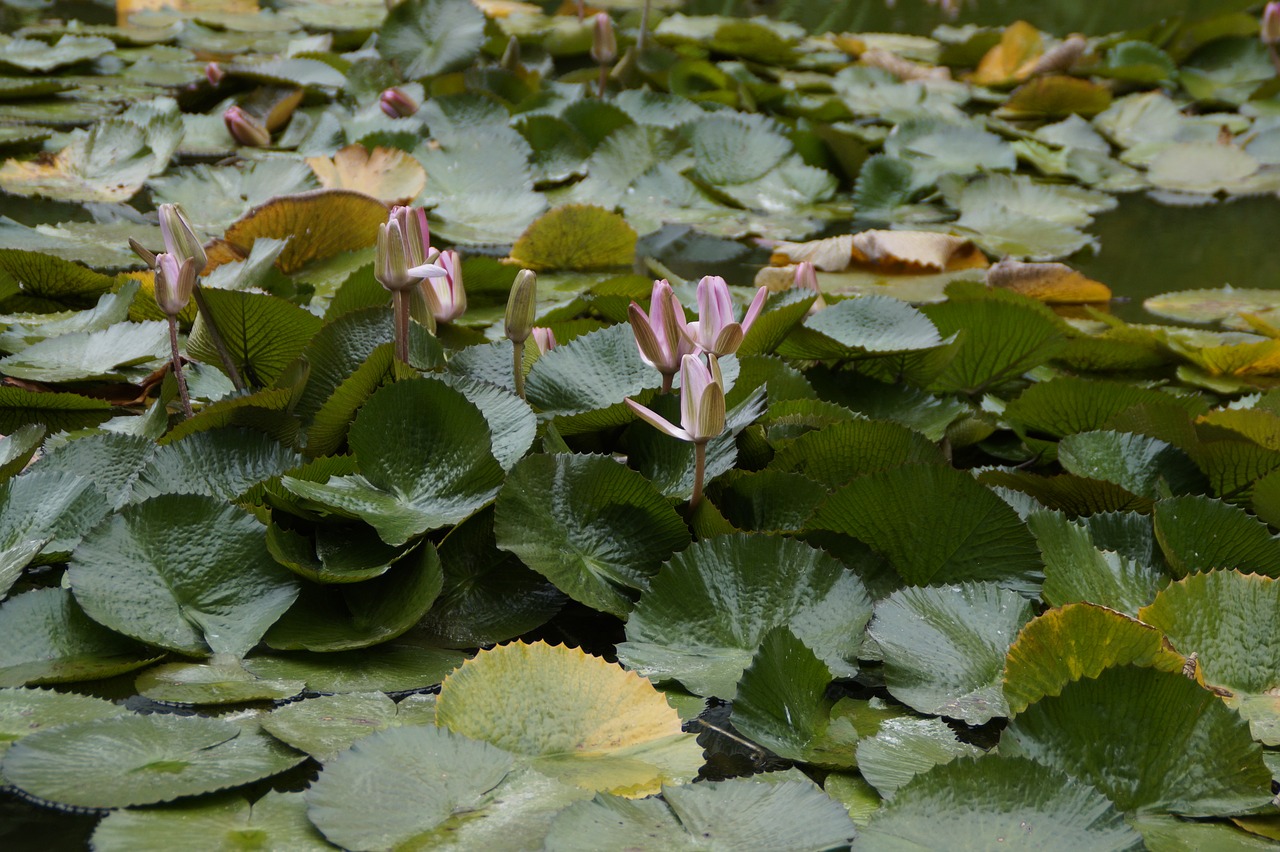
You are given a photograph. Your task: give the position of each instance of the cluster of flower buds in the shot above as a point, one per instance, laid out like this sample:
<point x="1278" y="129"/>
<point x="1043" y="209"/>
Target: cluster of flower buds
<point x="396" y="103"/>
<point x="664" y="337"/>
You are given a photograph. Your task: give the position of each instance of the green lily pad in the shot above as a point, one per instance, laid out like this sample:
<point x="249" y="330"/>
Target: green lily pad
<point x="326" y="726"/>
<point x="743" y="813"/>
<point x="576" y="237"/>
<point x="933" y="148"/>
<point x="591" y="526"/>
<point x="213" y="197"/>
<point x="766" y="500"/>
<point x="393" y="667"/>
<point x="862" y="327"/>
<point x="93" y="355"/>
<point x="277" y="820"/>
<point x="263" y="333"/>
<point x="944" y="647"/>
<point x="1076" y="641"/>
<point x="1143" y="465"/>
<point x="184" y="572"/>
<point x="47" y="638"/>
<point x="592" y="375"/>
<point x="581" y="720"/>
<point x="213" y="683"/>
<point x="27" y="711"/>
<point x="488" y="596"/>
<point x="426" y="37"/>
<point x="347" y="616"/>
<point x="139" y="760"/>
<point x="979" y="536"/>
<point x="222" y="463"/>
<point x="1221" y="616"/>
<point x="50" y="277"/>
<point x="997" y="801"/>
<point x="17" y="449"/>
<point x="435" y="474"/>
<point x="1077" y="569"/>
<point x="1198" y="533"/>
<point x="34" y="55"/>
<point x="44" y="511"/>
<point x="1216" y="305"/>
<point x="450" y="778"/>
<point x="839" y="452"/>
<point x="1149" y="740"/>
<point x="903" y="747"/>
<point x="737" y="588"/>
<point x="338" y="553"/>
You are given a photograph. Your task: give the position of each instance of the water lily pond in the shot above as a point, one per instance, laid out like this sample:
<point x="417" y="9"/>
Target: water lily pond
<point x="490" y="425"/>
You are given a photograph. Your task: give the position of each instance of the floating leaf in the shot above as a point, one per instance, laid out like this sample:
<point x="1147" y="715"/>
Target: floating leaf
<point x="737" y="588"/>
<point x="91" y="355"/>
<point x="861" y="327"/>
<point x="385" y="668"/>
<point x="184" y="572"/>
<point x="1199" y="533"/>
<point x="743" y="813"/>
<point x="1076" y="570"/>
<point x="1079" y="641"/>
<point x="47" y="638"/>
<point x="1052" y="283"/>
<point x="434" y="474"/>
<point x="326" y="726"/>
<point x="944" y="647"/>
<point x="591" y="526"/>
<point x="981" y="537"/>
<point x="1149" y="740"/>
<point x="220" y="463"/>
<point x="34" y="55"/>
<point x="263" y="333"/>
<point x="998" y="801"/>
<point x="27" y="711"/>
<point x="213" y="683"/>
<point x="139" y="760"/>
<point x="582" y="720"/>
<point x="1221" y="616"/>
<point x="387" y="174"/>
<point x="839" y="452"/>
<point x="277" y="820"/>
<point x="577" y="236"/>
<point x="1055" y="96"/>
<point x="46" y="511"/>
<point x="50" y="277"/>
<point x="1013" y="58"/>
<point x="318" y="224"/>
<point x="1216" y="305"/>
<point x="903" y="747"/>
<point x="426" y="37"/>
<point x="1145" y="466"/>
<point x="357" y="615"/>
<point x="215" y="196"/>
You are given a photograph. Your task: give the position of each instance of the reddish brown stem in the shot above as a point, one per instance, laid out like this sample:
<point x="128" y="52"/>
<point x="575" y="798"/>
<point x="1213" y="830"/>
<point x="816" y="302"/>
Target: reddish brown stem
<point x="177" y="367"/>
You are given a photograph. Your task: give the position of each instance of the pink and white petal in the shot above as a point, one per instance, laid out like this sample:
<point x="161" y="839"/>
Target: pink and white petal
<point x="657" y="421"/>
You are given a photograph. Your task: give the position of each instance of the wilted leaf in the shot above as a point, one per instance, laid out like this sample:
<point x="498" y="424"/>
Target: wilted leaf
<point x="387" y="174"/>
<point x="318" y="224"/>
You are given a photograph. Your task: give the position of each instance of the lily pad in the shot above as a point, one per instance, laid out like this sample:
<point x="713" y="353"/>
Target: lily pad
<point x="393" y="667"/>
<point x="582" y="720"/>
<point x="736" y="589"/>
<point x="318" y="224"/>
<point x="425" y="37"/>
<point x="218" y="682"/>
<point x="184" y="572"/>
<point x="326" y="726"/>
<point x="139" y="760"/>
<point x="1006" y="802"/>
<point x="944" y="647"/>
<point x="278" y="820"/>
<point x="576" y="237"/>
<point x="27" y="711"/>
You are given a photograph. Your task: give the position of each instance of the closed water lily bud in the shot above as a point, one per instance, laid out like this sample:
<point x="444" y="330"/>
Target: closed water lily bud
<point x="544" y="339"/>
<point x="213" y="73"/>
<point x="396" y="104"/>
<point x="604" y="44"/>
<point x="390" y="265"/>
<point x="246" y="129"/>
<point x="442" y="286"/>
<point x="180" y="238"/>
<point x="522" y="305"/>
<point x="1270" y="31"/>
<point x="511" y="56"/>
<point x="175" y="279"/>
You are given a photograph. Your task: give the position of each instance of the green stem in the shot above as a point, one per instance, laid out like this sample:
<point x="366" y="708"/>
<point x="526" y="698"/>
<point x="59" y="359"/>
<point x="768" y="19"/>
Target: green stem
<point x="517" y="364"/>
<point x="643" y="38"/>
<point x="177" y="367"/>
<point x="699" y="472"/>
<point x="400" y="299"/>
<point x="219" y="343"/>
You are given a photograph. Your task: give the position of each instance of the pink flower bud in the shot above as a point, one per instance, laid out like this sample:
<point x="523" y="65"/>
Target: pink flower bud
<point x="175" y="280"/>
<point x="442" y="286"/>
<point x="1270" y="32"/>
<point x="246" y="129"/>
<point x="717" y="331"/>
<point x="807" y="279"/>
<point x="396" y="104"/>
<point x="604" y="44"/>
<point x="660" y="333"/>
<point x="213" y="73"/>
<point x="702" y="408"/>
<point x="544" y="339"/>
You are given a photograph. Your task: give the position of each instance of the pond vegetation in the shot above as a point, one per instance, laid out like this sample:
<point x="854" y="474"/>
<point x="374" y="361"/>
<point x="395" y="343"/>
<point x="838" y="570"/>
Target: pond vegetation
<point x="471" y="424"/>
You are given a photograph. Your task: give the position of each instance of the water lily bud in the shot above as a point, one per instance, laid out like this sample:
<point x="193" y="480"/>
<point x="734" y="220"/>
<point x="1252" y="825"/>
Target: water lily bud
<point x="544" y="339"/>
<point x="604" y="44"/>
<point x="661" y="334"/>
<point x="175" y="279"/>
<point x="522" y="305"/>
<point x="390" y="266"/>
<point x="213" y="73"/>
<point x="1270" y="31"/>
<point x="702" y="407"/>
<point x="511" y="60"/>
<point x="180" y="239"/>
<point x="415" y="233"/>
<point x="442" y="286"/>
<point x="246" y="129"/>
<point x="716" y="331"/>
<point x="807" y="279"/>
<point x="396" y="104"/>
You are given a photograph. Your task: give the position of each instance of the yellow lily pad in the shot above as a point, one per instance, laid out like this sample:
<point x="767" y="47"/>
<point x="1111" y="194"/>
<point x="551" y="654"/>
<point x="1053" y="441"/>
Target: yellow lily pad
<point x="574" y="716"/>
<point x="318" y="224"/>
<point x="1012" y="60"/>
<point x="1077" y="641"/>
<point x="577" y="237"/>
<point x="388" y="174"/>
<point x="1053" y="283"/>
<point x="1212" y="305"/>
<point x="1056" y="96"/>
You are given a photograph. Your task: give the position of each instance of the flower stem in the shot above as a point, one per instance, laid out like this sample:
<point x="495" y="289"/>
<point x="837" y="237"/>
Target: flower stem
<point x="517" y="364"/>
<point x="219" y="343"/>
<point x="666" y="382"/>
<point x="699" y="472"/>
<point x="643" y="39"/>
<point x="604" y="79"/>
<point x="400" y="301"/>
<point x="177" y="367"/>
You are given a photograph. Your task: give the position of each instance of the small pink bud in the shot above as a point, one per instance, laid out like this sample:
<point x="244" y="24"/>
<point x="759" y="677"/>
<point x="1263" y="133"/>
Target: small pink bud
<point x="213" y="73"/>
<point x="807" y="279"/>
<point x="717" y="331"/>
<point x="544" y="339"/>
<point x="246" y="129"/>
<point x="604" y="44"/>
<point x="396" y="104"/>
<point x="1270" y="32"/>
<point x="660" y="334"/>
<point x="175" y="280"/>
<point x="442" y="286"/>
<point x="702" y="409"/>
